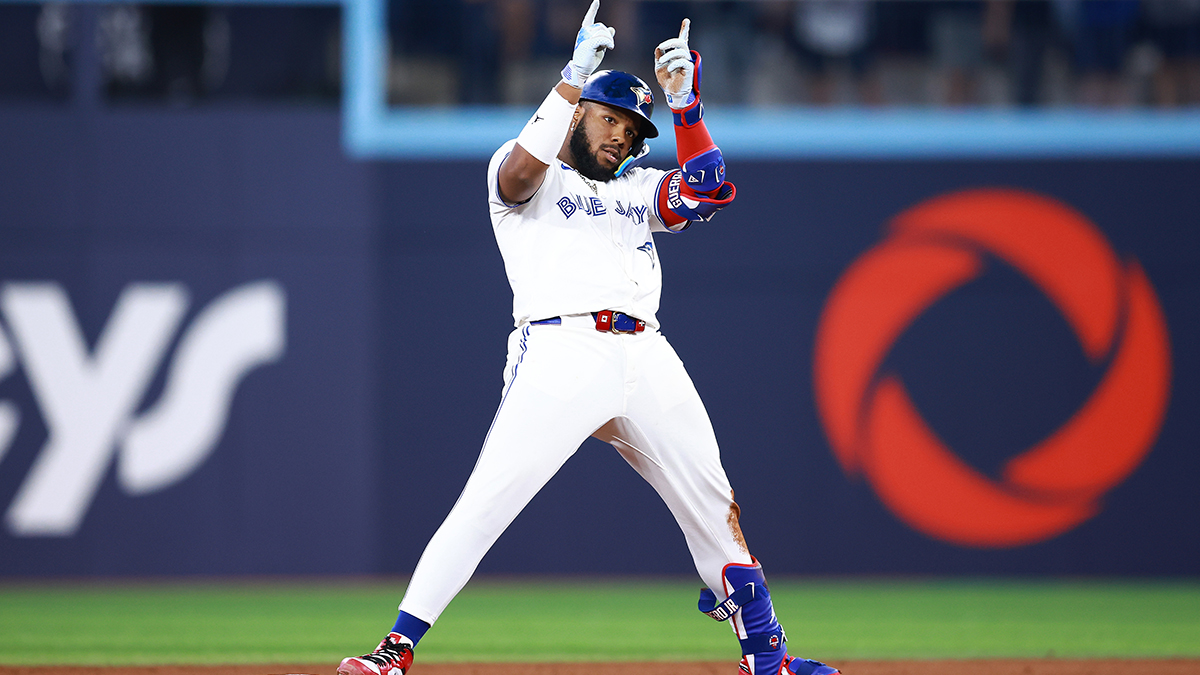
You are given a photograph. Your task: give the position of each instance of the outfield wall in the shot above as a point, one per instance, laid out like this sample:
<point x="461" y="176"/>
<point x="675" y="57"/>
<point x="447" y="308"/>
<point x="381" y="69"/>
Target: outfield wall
<point x="227" y="348"/>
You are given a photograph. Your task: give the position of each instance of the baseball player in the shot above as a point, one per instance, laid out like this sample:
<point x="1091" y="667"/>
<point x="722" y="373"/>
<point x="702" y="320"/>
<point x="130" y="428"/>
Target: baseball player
<point x="574" y="220"/>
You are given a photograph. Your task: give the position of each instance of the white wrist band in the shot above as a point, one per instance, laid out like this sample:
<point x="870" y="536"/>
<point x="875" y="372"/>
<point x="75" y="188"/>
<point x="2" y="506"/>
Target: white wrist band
<point x="573" y="75"/>
<point x="544" y="133"/>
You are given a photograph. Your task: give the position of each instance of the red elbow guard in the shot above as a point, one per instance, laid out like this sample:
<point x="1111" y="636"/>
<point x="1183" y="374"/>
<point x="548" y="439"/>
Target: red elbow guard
<point x="679" y="204"/>
<point x="699" y="158"/>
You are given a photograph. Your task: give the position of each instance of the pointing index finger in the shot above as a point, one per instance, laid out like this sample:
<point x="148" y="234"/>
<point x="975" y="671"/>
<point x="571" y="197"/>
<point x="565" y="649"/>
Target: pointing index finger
<point x="684" y="29"/>
<point x="590" y="17"/>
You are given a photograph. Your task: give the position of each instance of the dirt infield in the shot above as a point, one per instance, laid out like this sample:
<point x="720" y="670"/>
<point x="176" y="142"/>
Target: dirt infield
<point x="965" y="667"/>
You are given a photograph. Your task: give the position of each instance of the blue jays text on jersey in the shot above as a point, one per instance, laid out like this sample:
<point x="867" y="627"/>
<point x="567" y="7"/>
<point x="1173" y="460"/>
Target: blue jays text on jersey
<point x="594" y="206"/>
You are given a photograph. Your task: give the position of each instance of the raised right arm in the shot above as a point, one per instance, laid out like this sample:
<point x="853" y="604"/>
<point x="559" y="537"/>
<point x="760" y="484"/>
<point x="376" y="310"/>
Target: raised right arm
<point x="540" y="141"/>
<point x="522" y="173"/>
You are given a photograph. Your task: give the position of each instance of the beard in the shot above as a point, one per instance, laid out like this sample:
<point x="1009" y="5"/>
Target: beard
<point x="584" y="159"/>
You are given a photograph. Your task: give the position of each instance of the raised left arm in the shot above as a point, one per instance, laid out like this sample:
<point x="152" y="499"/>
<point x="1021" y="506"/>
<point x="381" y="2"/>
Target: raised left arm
<point x="700" y="189"/>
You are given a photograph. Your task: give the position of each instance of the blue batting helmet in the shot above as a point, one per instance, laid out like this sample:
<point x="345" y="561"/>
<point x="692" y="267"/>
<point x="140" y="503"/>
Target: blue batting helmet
<point x="625" y="91"/>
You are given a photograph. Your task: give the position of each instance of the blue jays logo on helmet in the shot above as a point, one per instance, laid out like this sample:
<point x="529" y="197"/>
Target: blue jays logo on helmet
<point x="622" y="90"/>
<point x="644" y="95"/>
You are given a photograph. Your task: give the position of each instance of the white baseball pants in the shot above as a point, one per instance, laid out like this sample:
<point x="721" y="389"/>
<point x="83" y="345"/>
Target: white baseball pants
<point x="564" y="383"/>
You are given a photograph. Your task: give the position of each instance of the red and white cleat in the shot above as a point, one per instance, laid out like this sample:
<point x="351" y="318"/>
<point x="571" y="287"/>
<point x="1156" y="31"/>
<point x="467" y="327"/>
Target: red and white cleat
<point x="393" y="656"/>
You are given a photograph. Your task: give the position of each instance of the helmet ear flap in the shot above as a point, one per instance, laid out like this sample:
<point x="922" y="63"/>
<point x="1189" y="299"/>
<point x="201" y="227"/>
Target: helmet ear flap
<point x="636" y="153"/>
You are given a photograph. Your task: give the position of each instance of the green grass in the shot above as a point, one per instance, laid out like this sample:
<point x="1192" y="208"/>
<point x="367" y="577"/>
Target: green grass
<point x="298" y="622"/>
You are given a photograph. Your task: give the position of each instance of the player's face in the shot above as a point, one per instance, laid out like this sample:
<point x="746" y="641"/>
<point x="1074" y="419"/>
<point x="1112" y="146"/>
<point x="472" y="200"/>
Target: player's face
<point x="612" y="132"/>
<point x="603" y="138"/>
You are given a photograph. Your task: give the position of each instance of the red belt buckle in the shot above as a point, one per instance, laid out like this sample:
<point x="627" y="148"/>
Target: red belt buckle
<point x="616" y="322"/>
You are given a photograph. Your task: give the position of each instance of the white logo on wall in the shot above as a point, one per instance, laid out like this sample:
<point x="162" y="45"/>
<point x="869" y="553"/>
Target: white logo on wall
<point x="88" y="400"/>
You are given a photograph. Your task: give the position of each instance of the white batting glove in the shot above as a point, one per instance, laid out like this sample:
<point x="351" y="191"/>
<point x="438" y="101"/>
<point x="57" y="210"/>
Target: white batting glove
<point x="591" y="43"/>
<point x="674" y="68"/>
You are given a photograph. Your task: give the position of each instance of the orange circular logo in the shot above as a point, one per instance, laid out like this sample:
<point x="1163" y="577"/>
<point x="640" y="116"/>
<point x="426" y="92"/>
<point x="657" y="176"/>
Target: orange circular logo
<point x="876" y="430"/>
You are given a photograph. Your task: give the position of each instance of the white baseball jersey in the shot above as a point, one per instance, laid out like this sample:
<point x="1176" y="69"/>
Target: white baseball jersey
<point x="579" y="245"/>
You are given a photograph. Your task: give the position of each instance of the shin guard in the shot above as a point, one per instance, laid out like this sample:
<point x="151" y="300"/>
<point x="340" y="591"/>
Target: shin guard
<point x="752" y="616"/>
<point x="748" y="607"/>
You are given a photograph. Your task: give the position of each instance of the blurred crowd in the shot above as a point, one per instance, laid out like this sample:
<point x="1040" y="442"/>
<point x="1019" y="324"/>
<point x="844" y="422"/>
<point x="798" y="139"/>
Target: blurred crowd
<point x="179" y="54"/>
<point x="757" y="52"/>
<point x="819" y="52"/>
